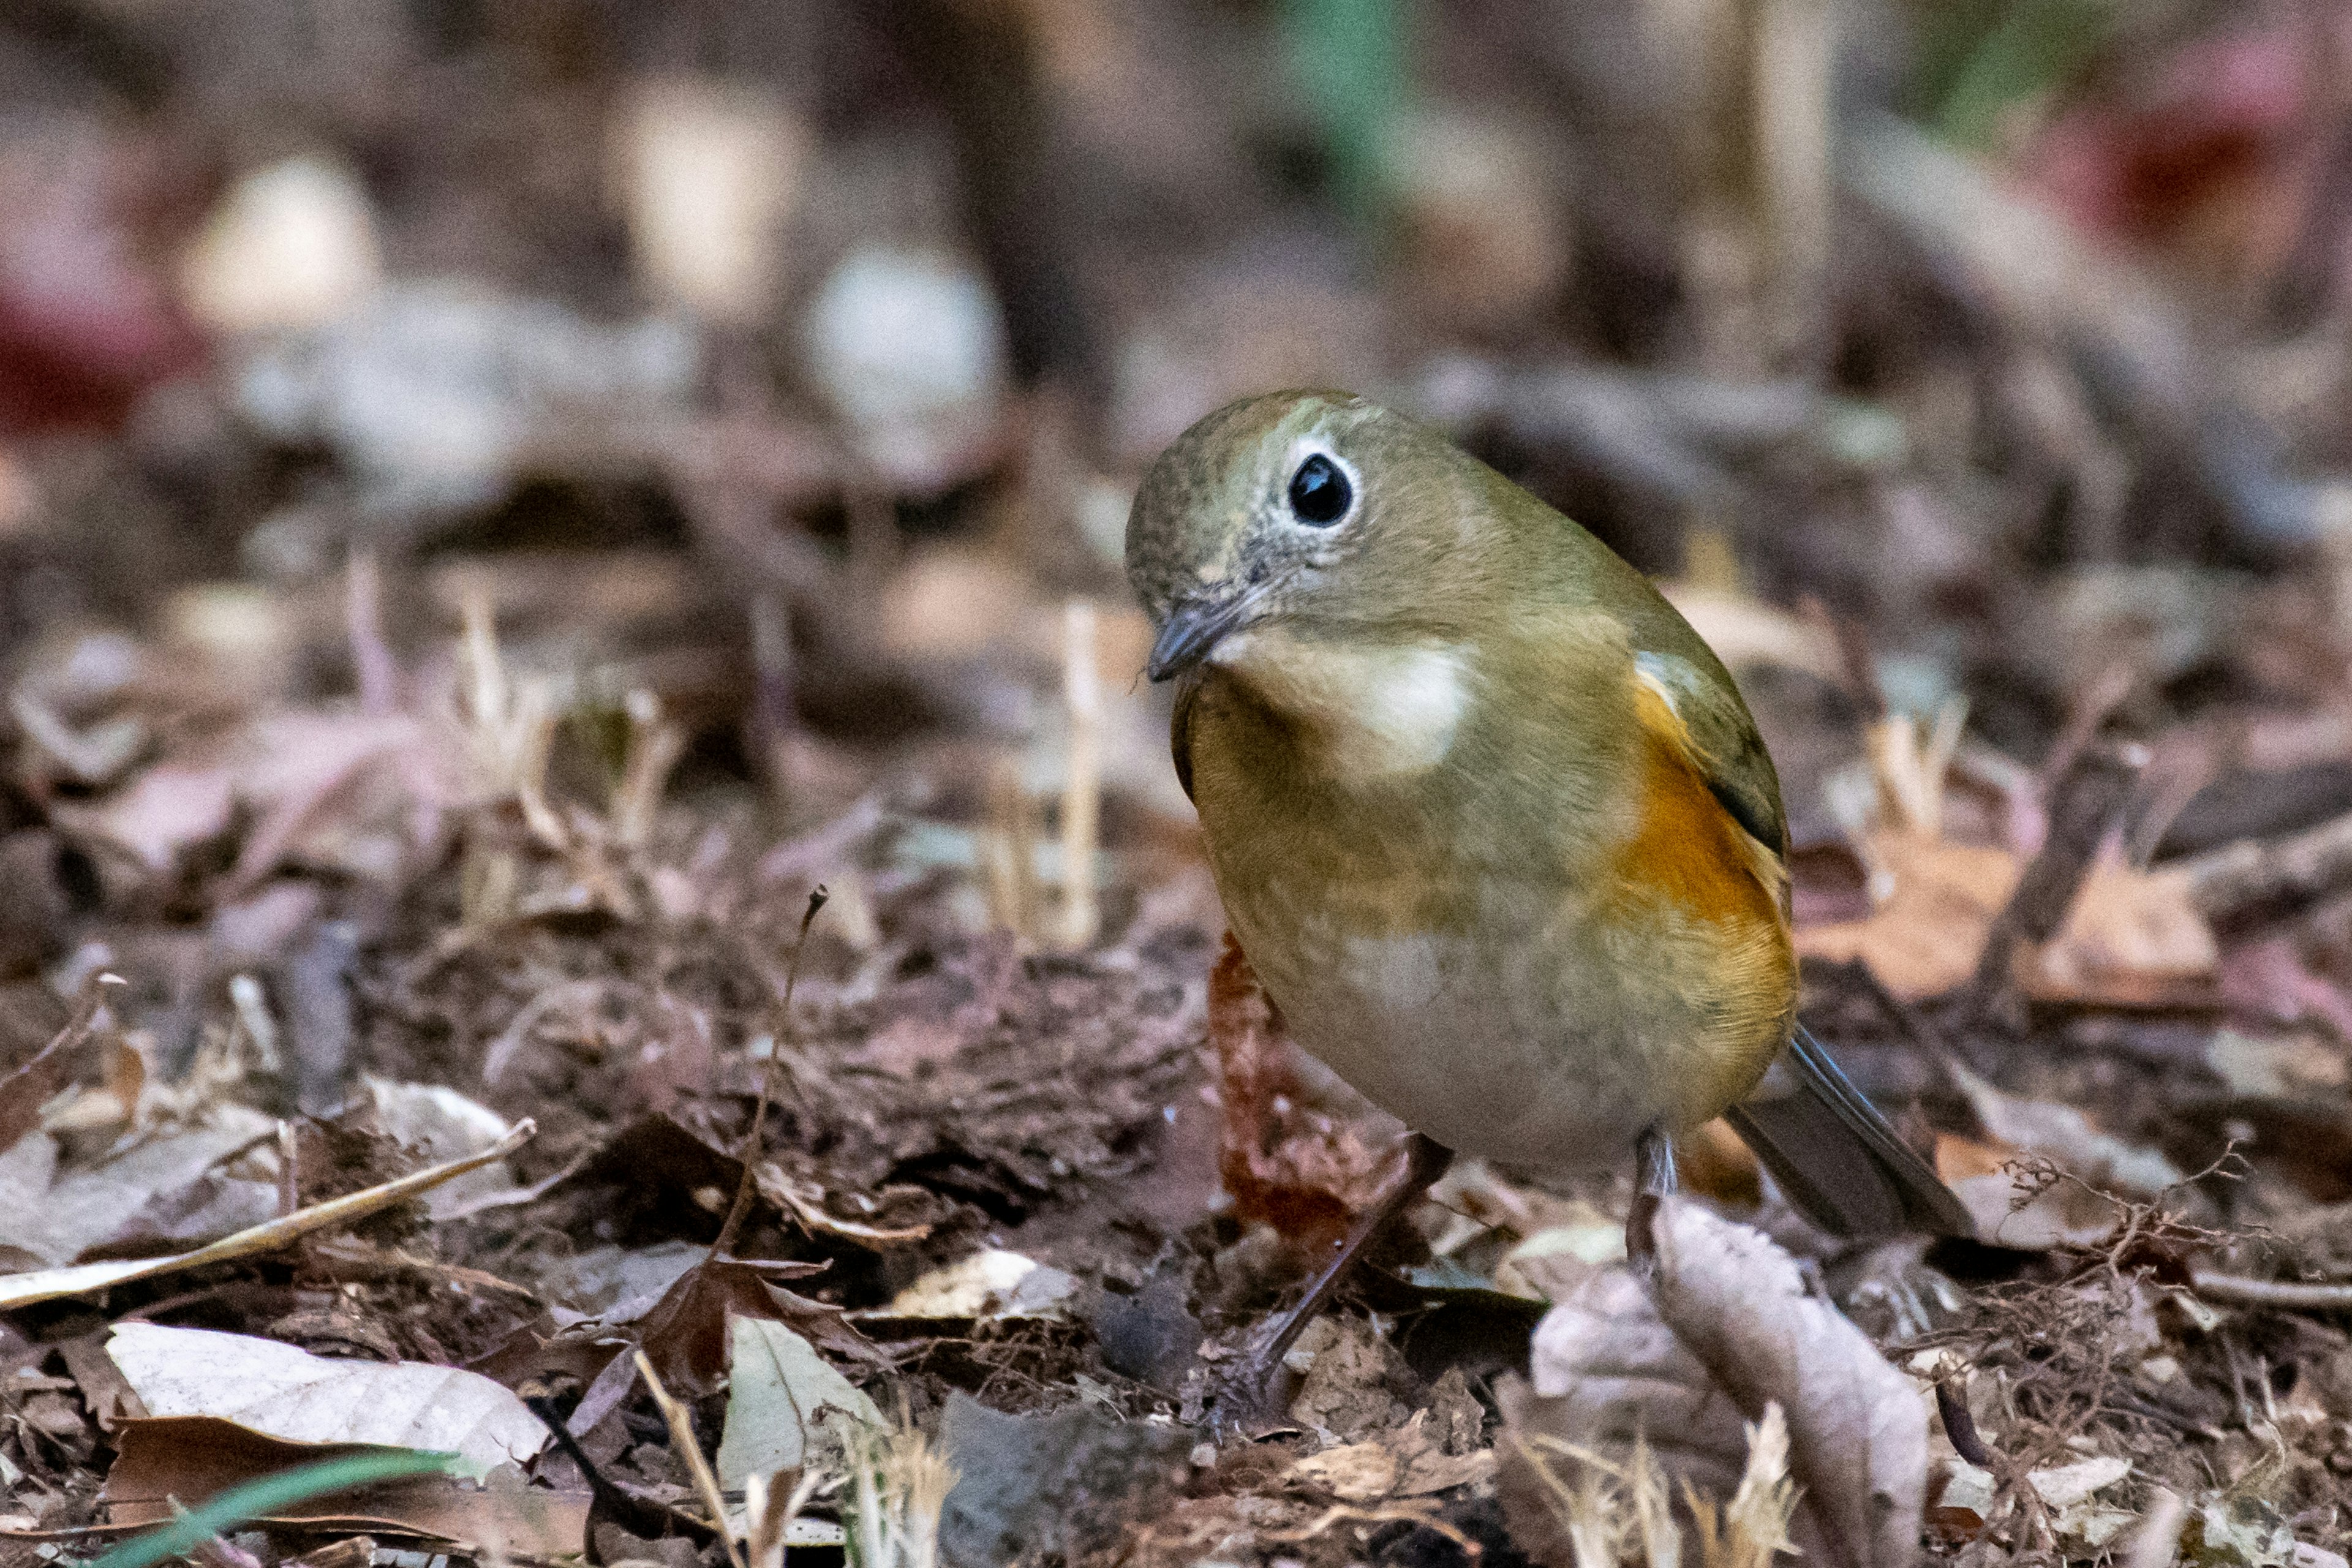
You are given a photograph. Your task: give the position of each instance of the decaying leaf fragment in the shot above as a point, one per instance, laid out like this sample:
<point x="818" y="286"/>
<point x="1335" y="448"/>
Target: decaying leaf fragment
<point x="1726" y="1332"/>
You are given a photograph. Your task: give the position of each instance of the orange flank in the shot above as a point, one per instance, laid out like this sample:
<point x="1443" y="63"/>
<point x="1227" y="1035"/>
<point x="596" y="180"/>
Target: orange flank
<point x="1688" y="851"/>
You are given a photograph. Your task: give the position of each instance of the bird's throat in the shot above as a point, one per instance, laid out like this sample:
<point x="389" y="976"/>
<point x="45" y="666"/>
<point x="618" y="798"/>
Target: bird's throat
<point x="1364" y="711"/>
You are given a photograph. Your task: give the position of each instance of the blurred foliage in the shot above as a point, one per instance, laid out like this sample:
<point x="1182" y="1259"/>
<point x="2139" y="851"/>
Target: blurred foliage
<point x="1981" y="60"/>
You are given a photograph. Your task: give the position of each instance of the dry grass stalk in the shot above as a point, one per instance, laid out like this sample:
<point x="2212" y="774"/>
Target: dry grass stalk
<point x="1008" y="851"/>
<point x="655" y="746"/>
<point x="1754" y="1527"/>
<point x="768" y="1509"/>
<point x="897" y="1485"/>
<point x="1911" y="768"/>
<point x="681" y="1437"/>
<point x="1619" y="1513"/>
<point x="510" y="725"/>
<point x="1082" y="791"/>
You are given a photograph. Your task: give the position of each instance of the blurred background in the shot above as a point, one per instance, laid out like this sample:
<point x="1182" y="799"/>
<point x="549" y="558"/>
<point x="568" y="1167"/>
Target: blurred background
<point x="766" y="387"/>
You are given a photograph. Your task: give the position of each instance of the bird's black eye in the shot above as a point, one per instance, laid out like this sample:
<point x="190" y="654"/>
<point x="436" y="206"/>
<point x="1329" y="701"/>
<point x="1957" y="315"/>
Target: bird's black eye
<point x="1319" y="493"/>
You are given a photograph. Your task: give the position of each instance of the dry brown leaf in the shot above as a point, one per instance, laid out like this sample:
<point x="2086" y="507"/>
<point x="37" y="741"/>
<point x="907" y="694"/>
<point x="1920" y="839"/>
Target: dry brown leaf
<point x="2067" y="1138"/>
<point x="2132" y="939"/>
<point x="167" y="810"/>
<point x="187" y="1459"/>
<point x="1353" y="1472"/>
<point x="2012" y="1210"/>
<point x="1924" y="939"/>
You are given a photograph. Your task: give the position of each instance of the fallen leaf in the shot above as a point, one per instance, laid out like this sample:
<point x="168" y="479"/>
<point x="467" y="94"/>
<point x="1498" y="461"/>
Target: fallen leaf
<point x="987" y="1285"/>
<point x="81" y="1278"/>
<point x="686" y="1336"/>
<point x="282" y="1392"/>
<point x="1857" y="1436"/>
<point x="2010" y="1208"/>
<point x="1353" y="1472"/>
<point x="2131" y="939"/>
<point x="57" y="1212"/>
<point x="160" y="816"/>
<point x="1924" y="936"/>
<point x="444" y="1125"/>
<point x="2067" y="1138"/>
<point x="2063" y="1486"/>
<point x="1729" y="1329"/>
<point x="779" y="1393"/>
<point x="184" y="1460"/>
<point x="2273" y="1066"/>
<point x="2269" y="980"/>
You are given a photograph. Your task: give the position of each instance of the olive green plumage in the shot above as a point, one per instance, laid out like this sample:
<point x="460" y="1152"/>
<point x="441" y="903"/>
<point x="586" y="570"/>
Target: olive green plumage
<point x="1492" y="823"/>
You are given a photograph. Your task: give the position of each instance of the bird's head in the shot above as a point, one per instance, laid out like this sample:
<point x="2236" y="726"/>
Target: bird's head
<point x="1314" y="509"/>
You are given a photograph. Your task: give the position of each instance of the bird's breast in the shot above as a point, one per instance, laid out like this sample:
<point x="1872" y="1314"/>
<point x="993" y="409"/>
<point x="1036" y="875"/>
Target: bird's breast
<point x="1523" y="952"/>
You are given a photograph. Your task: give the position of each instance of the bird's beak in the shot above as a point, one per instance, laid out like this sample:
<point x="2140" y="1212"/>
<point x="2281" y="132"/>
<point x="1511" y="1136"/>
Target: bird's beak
<point x="1193" y="628"/>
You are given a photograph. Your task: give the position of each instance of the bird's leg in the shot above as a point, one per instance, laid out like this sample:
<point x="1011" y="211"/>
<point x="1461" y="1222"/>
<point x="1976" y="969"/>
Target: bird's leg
<point x="1654" y="1180"/>
<point x="1253" y="1380"/>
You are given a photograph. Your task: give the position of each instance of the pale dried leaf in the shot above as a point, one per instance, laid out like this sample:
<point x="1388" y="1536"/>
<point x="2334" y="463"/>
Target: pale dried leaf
<point x="57" y="1213"/>
<point x="990" y="1284"/>
<point x="284" y="1391"/>
<point x="1353" y="1472"/>
<point x="1857" y="1436"/>
<point x="782" y="1399"/>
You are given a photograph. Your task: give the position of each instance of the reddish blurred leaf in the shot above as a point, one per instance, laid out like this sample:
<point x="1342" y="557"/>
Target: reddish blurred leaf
<point x="1283" y="1166"/>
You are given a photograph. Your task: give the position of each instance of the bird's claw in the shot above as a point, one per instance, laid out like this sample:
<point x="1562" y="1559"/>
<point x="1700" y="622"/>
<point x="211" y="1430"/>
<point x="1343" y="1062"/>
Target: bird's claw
<point x="1245" y="1395"/>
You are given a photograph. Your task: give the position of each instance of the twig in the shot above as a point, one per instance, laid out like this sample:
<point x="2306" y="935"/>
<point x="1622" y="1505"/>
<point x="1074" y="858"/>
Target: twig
<point x="655" y="746"/>
<point x="2084" y="804"/>
<point x="2289" y="1295"/>
<point x="1960" y="1425"/>
<point x="25" y="1090"/>
<point x="2251" y="873"/>
<point x="80" y="1279"/>
<point x="640" y="1516"/>
<point x="749" y="1156"/>
<point x="681" y="1436"/>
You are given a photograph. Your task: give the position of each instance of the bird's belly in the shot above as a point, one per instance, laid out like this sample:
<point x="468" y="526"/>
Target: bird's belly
<point x="1506" y="1043"/>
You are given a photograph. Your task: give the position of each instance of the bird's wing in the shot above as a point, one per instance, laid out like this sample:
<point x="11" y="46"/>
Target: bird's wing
<point x="1839" y="1161"/>
<point x="1720" y="738"/>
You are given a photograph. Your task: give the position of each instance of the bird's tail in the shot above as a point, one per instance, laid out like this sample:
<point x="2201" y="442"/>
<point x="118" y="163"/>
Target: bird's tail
<point x="1840" y="1162"/>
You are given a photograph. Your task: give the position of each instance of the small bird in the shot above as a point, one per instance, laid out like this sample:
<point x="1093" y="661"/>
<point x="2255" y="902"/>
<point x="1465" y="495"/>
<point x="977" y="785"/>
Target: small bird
<point x="1490" y="822"/>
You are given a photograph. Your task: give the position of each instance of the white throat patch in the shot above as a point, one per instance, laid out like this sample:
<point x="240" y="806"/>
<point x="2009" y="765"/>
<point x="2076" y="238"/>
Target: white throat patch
<point x="1380" y="710"/>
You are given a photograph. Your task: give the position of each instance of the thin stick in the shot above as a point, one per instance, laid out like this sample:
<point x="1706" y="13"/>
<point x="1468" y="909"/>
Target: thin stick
<point x="2083" y="805"/>
<point x="2292" y="1295"/>
<point x="25" y="1090"/>
<point x="750" y="1154"/>
<point x="681" y="1436"/>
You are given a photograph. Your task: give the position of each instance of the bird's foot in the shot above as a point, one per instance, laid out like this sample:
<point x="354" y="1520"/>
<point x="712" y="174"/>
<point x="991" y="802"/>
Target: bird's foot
<point x="1246" y="1393"/>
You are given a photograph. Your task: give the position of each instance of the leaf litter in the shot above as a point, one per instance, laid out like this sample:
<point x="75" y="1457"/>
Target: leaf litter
<point x="485" y="799"/>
